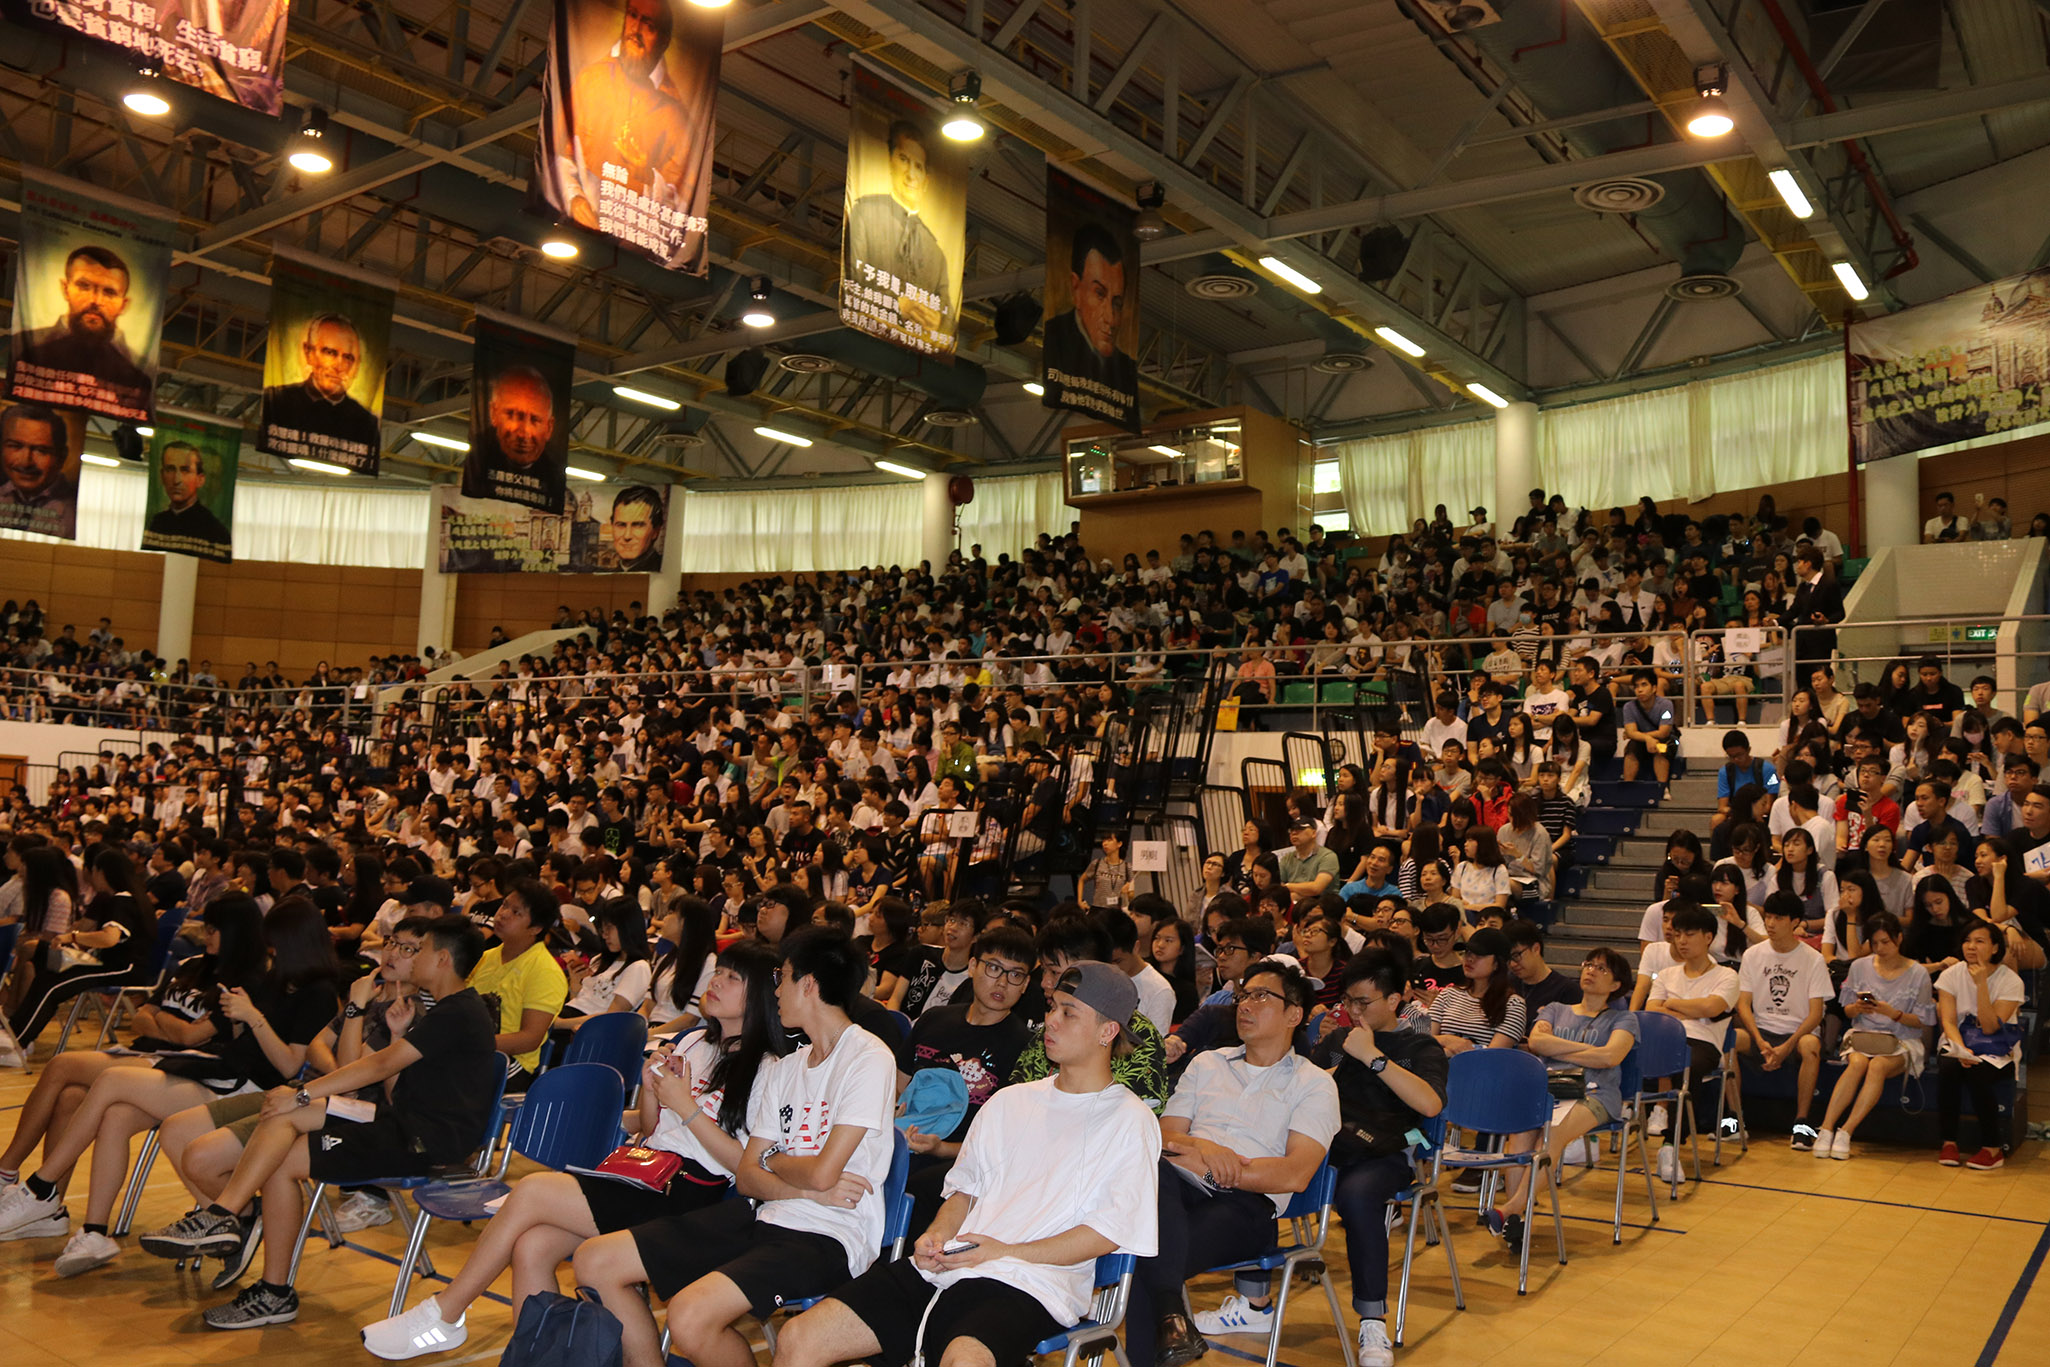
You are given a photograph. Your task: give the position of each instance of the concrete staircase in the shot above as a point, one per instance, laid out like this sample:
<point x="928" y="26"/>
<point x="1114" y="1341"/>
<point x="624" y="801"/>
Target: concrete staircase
<point x="1611" y="906"/>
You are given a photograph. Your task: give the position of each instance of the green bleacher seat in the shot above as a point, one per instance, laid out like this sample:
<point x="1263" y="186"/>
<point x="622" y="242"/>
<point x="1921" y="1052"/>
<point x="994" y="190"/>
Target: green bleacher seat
<point x="1854" y="565"/>
<point x="1338" y="691"/>
<point x="1299" y="694"/>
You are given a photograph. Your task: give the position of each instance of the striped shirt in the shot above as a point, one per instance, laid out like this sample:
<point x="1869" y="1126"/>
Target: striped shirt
<point x="1558" y="814"/>
<point x="1458" y="1012"/>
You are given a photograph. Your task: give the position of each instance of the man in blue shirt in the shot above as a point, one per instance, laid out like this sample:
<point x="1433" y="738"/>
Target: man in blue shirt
<point x="1738" y="770"/>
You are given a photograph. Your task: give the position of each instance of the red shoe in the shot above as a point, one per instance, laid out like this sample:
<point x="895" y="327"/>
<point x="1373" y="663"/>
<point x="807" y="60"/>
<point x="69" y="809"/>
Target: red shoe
<point x="1986" y="1160"/>
<point x="1948" y="1155"/>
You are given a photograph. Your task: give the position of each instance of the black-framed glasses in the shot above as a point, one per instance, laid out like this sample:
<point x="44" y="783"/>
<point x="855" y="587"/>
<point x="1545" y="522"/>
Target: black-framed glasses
<point x="1259" y="996"/>
<point x="405" y="949"/>
<point x="1357" y="1006"/>
<point x="997" y="973"/>
<point x="1223" y="950"/>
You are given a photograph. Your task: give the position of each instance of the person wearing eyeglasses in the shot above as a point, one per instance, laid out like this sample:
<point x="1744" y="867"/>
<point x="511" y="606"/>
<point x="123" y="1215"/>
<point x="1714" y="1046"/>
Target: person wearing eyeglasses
<point x="980" y="1040"/>
<point x="1245" y="1129"/>
<point x="1389" y="1077"/>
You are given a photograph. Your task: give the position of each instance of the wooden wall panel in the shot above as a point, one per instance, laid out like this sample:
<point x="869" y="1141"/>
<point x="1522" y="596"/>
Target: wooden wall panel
<point x="527" y="602"/>
<point x="80" y="585"/>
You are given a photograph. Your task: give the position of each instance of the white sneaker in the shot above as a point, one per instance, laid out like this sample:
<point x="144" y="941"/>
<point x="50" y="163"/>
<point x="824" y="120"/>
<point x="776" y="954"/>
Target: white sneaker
<point x="1375" y="1349"/>
<point x="1577" y="1155"/>
<point x="1825" y="1140"/>
<point x="1668" y="1163"/>
<point x="22" y="1216"/>
<point x="11" y="1055"/>
<point x="1839" y="1145"/>
<point x="1656" y="1122"/>
<point x="86" y="1252"/>
<point x="1236" y="1316"/>
<point x="362" y="1211"/>
<point x="420" y="1330"/>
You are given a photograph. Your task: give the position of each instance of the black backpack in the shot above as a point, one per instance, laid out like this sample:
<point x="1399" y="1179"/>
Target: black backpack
<point x="555" y="1330"/>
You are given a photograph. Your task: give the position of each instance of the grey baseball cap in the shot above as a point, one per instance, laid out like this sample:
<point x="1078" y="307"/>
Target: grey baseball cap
<point x="1104" y="989"/>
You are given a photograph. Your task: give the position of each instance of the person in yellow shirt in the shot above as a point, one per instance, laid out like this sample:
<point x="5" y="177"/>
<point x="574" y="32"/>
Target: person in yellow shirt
<point x="522" y="977"/>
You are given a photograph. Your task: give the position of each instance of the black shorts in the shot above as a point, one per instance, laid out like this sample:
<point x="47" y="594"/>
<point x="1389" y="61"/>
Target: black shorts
<point x="616" y="1205"/>
<point x="890" y="1297"/>
<point x="349" y="1153"/>
<point x="770" y="1264"/>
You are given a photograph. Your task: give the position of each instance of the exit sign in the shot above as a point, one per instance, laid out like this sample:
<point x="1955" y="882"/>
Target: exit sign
<point x="1958" y="635"/>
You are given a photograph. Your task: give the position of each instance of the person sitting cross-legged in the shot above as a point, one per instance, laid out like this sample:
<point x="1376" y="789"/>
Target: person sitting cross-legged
<point x="443" y="1072"/>
<point x="1245" y="1129"/>
<point x="1053" y="1174"/>
<point x="818" y="1153"/>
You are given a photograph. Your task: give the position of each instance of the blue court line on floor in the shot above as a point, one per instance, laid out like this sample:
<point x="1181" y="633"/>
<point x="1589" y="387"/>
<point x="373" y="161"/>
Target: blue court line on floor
<point x="1868" y="1201"/>
<point x="1248" y="1357"/>
<point x="1998" y="1338"/>
<point x="384" y="1257"/>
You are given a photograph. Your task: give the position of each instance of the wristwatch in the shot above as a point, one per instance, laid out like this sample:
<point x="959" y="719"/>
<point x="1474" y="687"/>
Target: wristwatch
<point x="1378" y="1063"/>
<point x="301" y="1099"/>
<point x="351" y="1011"/>
<point x="771" y="1152"/>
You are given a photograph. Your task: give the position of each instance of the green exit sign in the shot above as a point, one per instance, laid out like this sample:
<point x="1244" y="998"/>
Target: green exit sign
<point x="1957" y="635"/>
<point x="1985" y="633"/>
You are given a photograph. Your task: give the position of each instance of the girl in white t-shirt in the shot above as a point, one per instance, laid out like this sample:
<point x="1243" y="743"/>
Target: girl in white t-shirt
<point x="618" y="979"/>
<point x="1979" y="994"/>
<point x="694" y="1103"/>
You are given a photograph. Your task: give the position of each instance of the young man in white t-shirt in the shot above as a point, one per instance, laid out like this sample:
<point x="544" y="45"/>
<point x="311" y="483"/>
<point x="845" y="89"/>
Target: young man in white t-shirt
<point x="1053" y="1174"/>
<point x="1127" y="933"/>
<point x="1544" y="700"/>
<point x="1699" y="993"/>
<point x="1781" y="992"/>
<point x="1245" y="1129"/>
<point x="818" y="1153"/>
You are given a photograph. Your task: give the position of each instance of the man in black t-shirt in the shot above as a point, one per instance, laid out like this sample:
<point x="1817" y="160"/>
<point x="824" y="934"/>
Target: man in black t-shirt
<point x="442" y="1071"/>
<point x="1530" y="977"/>
<point x="980" y="1040"/>
<point x="2025" y="886"/>
<point x="1594" y="706"/>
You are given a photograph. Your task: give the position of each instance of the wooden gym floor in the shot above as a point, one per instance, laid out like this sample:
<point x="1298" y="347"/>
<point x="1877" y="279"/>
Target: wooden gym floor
<point x="1777" y="1258"/>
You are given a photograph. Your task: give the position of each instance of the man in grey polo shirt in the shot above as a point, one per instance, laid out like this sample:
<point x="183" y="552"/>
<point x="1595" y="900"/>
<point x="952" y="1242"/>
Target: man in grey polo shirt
<point x="1307" y="868"/>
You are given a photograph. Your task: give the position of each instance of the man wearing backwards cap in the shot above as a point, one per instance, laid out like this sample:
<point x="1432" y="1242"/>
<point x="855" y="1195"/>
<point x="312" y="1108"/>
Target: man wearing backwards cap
<point x="1053" y="1174"/>
<point x="1245" y="1129"/>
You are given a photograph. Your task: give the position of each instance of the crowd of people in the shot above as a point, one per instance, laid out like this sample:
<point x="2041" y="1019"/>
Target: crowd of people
<point x="366" y="942"/>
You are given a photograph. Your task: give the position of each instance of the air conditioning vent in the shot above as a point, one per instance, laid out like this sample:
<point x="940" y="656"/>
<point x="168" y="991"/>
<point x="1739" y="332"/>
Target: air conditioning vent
<point x="1619" y="195"/>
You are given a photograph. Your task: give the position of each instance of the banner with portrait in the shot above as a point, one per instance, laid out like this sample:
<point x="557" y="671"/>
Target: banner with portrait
<point x="519" y="415"/>
<point x="89" y="285"/>
<point x="627" y="122"/>
<point x="1090" y="361"/>
<point x="324" y="366"/>
<point x="234" y="52"/>
<point x="904" y="234"/>
<point x="40" y="448"/>
<point x="191" y="507"/>
<point x="603" y="529"/>
<point x="1974" y="363"/>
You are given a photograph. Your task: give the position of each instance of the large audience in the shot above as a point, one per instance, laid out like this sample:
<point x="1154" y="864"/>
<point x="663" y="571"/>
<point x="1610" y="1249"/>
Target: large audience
<point x="837" y="840"/>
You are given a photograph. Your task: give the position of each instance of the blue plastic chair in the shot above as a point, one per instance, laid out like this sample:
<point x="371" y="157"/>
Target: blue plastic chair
<point x="896" y="1227"/>
<point x="618" y="1039"/>
<point x="1106" y="1313"/>
<point x="1502" y="1092"/>
<point x="1662" y="1053"/>
<point x="1309" y="1215"/>
<point x="903" y="1024"/>
<point x="1422" y="1195"/>
<point x="1622" y="1127"/>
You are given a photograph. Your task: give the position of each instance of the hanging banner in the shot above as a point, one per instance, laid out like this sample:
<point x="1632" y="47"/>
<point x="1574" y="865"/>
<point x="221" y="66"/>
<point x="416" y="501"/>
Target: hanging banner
<point x="605" y="529"/>
<point x="39" y="457"/>
<point x="1974" y="363"/>
<point x="1092" y="303"/>
<point x="88" y="299"/>
<point x="324" y="367"/>
<point x="191" y="505"/>
<point x="627" y="122"/>
<point x="906" y="222"/>
<point x="519" y="415"/>
<point x="234" y="52"/>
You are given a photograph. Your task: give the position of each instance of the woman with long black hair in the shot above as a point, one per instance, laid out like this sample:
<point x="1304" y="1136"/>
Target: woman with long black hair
<point x="682" y="974"/>
<point x="107" y="947"/>
<point x="694" y="1103"/>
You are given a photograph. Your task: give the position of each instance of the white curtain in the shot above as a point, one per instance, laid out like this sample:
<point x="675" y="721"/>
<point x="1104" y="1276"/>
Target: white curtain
<point x="1601" y="455"/>
<point x="1008" y="514"/>
<point x="1772" y="426"/>
<point x="1373" y="476"/>
<point x="1455" y="466"/>
<point x="300" y="523"/>
<point x="800" y="531"/>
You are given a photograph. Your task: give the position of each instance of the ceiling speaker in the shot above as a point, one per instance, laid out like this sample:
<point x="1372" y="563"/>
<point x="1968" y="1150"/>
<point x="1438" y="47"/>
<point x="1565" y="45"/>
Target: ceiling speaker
<point x="1382" y="251"/>
<point x="1015" y="319"/>
<point x="745" y="371"/>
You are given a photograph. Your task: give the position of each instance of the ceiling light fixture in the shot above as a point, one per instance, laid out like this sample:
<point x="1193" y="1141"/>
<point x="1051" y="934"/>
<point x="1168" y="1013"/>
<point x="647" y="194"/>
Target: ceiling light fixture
<point x="318" y="467"/>
<point x="145" y="94"/>
<point x="151" y="432"/>
<point x="1165" y="450"/>
<point x="777" y="434"/>
<point x="758" y="315"/>
<point x="711" y="4"/>
<point x="1035" y="389"/>
<point x="896" y="469"/>
<point x="1711" y="117"/>
<point x="1848" y="276"/>
<point x="667" y="405"/>
<point x="1486" y="395"/>
<point x="434" y="439"/>
<point x="1791" y="192"/>
<point x="95" y="458"/>
<point x="309" y="147"/>
<point x="1398" y="341"/>
<point x="964" y="124"/>
<point x="579" y="472"/>
<point x="1149" y="224"/>
<point x="1276" y="266"/>
<point x="558" y="245"/>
